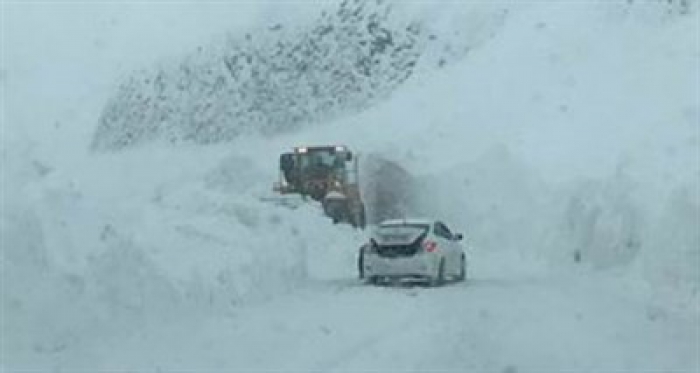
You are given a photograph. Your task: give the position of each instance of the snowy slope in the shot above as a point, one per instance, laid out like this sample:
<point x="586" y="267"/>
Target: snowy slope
<point x="283" y="77"/>
<point x="565" y="128"/>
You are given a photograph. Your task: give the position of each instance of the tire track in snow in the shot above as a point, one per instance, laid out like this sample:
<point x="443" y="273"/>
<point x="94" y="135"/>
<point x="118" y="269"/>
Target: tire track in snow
<point x="356" y="348"/>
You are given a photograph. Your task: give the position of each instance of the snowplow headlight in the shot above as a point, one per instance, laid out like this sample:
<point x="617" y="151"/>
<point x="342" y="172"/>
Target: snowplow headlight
<point x="340" y="148"/>
<point x="301" y="150"/>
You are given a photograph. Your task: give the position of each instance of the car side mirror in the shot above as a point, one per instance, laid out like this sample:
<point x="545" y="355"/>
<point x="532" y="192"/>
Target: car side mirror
<point x="348" y="156"/>
<point x="458" y="237"/>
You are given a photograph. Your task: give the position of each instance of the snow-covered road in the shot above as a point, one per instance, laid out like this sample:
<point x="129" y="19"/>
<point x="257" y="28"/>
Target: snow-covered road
<point x="497" y="322"/>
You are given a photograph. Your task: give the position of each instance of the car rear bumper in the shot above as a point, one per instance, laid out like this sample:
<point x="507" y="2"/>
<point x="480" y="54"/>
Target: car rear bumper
<point x="419" y="265"/>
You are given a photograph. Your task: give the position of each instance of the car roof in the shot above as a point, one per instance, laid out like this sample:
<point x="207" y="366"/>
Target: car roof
<point x="407" y="221"/>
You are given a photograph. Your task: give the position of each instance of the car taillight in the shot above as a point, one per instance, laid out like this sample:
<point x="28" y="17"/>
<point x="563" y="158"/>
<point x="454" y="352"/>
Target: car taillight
<point x="430" y="246"/>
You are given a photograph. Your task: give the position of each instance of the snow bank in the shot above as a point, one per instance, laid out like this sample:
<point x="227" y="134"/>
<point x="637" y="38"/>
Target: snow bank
<point x="146" y="238"/>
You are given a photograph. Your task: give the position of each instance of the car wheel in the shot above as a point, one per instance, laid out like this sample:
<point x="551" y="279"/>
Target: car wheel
<point x="363" y="217"/>
<point x="361" y="265"/>
<point x="373" y="280"/>
<point x="462" y="269"/>
<point x="439" y="280"/>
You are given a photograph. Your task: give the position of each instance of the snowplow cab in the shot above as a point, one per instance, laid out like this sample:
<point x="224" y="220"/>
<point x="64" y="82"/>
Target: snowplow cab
<point x="316" y="171"/>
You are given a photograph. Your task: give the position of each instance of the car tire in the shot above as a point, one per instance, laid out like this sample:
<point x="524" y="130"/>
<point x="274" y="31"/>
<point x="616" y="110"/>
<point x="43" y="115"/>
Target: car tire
<point x="373" y="280"/>
<point x="439" y="280"/>
<point x="462" y="269"/>
<point x="361" y="265"/>
<point x="363" y="217"/>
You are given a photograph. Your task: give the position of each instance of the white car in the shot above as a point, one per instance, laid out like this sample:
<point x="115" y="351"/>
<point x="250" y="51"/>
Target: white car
<point x="413" y="248"/>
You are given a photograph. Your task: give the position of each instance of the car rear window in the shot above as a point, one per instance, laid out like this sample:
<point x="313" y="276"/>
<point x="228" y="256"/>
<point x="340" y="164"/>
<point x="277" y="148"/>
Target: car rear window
<point x="400" y="234"/>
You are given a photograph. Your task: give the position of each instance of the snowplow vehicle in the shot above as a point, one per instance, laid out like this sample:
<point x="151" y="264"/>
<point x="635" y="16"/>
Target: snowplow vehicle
<point x="327" y="174"/>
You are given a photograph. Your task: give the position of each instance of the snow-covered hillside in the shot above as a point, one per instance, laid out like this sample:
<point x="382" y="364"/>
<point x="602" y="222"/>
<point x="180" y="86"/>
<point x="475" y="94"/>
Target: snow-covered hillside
<point x="281" y="77"/>
<point x="561" y="138"/>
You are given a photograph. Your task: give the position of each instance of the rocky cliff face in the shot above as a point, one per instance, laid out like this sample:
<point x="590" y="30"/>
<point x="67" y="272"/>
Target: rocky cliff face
<point x="274" y="80"/>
